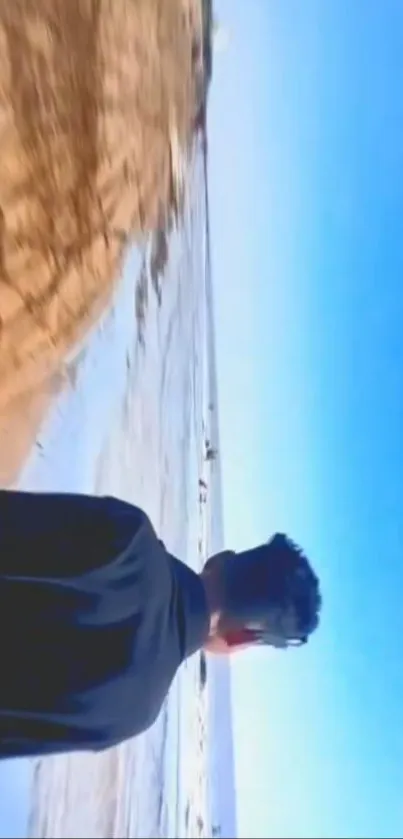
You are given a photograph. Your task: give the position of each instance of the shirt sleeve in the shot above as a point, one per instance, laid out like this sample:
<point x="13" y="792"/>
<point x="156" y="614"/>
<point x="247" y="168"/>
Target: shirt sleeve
<point x="61" y="536"/>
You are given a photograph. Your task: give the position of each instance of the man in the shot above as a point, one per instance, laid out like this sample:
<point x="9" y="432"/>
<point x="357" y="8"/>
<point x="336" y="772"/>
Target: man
<point x="96" y="617"/>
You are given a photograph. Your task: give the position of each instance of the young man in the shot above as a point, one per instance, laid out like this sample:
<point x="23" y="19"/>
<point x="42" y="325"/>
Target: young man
<point x="96" y="617"/>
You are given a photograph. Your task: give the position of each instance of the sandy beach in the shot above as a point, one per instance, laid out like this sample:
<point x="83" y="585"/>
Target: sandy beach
<point x="95" y="99"/>
<point x="149" y="448"/>
<point x="133" y="420"/>
<point x="107" y="367"/>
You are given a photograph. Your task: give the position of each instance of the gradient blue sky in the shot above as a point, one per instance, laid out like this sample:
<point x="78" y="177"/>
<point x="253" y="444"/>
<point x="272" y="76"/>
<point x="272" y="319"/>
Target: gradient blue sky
<point x="306" y="170"/>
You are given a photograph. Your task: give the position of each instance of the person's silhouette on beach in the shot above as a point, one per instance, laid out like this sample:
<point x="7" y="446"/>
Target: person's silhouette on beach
<point x="98" y="616"/>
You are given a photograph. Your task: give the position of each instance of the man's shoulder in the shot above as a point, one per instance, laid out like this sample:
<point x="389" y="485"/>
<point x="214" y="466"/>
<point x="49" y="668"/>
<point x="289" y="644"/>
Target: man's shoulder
<point x="128" y="530"/>
<point x="135" y="561"/>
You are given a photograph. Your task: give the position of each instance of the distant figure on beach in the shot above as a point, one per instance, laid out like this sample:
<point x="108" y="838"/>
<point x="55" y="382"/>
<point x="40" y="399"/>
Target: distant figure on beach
<point x="202" y="484"/>
<point x="96" y="617"/>
<point x="211" y="452"/>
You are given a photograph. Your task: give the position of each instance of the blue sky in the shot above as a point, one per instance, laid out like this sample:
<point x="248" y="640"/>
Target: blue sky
<point x="306" y="182"/>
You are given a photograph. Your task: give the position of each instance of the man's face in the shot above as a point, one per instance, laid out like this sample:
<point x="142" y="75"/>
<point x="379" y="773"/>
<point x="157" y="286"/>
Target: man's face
<point x="280" y="625"/>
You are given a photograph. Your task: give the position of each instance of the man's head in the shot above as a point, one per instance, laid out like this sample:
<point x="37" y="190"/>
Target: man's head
<point x="268" y="595"/>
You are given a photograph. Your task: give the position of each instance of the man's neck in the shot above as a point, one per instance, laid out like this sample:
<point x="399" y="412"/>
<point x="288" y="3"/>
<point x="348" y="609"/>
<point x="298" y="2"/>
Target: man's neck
<point x="210" y="580"/>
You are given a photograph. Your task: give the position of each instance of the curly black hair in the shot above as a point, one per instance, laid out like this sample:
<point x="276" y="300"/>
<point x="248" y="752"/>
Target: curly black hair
<point x="299" y="583"/>
<point x="273" y="590"/>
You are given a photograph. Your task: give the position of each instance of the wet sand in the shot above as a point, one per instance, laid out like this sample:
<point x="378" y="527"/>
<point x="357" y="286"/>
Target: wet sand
<point x="95" y="98"/>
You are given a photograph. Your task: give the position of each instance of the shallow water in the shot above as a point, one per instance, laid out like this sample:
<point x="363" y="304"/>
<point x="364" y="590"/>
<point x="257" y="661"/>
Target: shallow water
<point x="134" y="423"/>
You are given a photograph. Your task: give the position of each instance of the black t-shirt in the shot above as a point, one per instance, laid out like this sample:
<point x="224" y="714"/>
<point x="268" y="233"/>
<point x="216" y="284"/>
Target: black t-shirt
<point x="95" y="619"/>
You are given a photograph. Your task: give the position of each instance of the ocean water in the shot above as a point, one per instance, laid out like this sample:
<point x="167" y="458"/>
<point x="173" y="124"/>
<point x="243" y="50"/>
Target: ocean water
<point x="134" y="422"/>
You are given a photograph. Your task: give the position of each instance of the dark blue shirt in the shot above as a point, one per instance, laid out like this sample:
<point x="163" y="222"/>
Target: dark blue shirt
<point x="95" y="619"/>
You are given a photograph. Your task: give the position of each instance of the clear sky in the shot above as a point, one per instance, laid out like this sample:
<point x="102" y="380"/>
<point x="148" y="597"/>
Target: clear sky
<point x="306" y="179"/>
